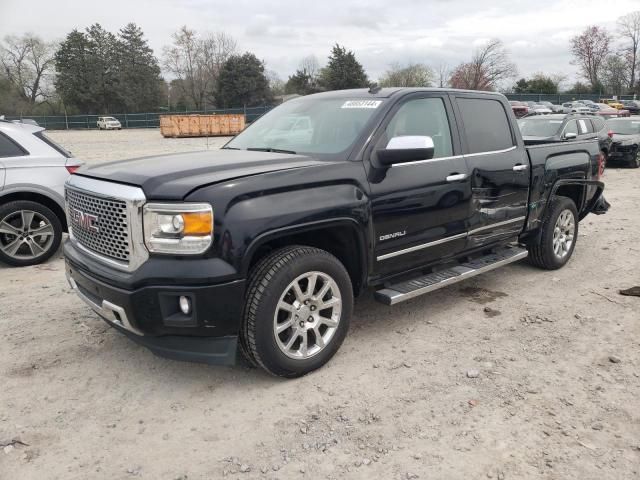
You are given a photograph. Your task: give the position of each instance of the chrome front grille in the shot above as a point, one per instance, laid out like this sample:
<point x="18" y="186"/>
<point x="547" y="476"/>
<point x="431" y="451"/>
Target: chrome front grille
<point x="105" y="220"/>
<point x="108" y="233"/>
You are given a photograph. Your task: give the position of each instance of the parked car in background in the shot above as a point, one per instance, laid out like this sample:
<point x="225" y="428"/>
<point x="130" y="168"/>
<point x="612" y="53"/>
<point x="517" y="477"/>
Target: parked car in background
<point x="612" y="103"/>
<point x="33" y="170"/>
<point x="608" y="111"/>
<point x="632" y="105"/>
<point x="29" y="121"/>
<point x="520" y="109"/>
<point x="626" y="140"/>
<point x="553" y="107"/>
<point x="108" y="123"/>
<point x="562" y="128"/>
<point x="575" y="107"/>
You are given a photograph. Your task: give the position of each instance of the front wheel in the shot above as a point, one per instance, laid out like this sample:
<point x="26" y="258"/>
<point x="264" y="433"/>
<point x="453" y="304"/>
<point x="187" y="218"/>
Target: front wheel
<point x="635" y="163"/>
<point x="557" y="239"/>
<point x="30" y="233"/>
<point x="297" y="311"/>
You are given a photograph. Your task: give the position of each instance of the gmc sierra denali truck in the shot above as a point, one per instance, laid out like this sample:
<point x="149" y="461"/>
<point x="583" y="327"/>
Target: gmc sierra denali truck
<point x="262" y="246"/>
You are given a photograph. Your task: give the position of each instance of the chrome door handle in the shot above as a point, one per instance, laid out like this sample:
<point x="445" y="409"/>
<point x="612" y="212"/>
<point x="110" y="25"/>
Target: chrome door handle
<point x="520" y="168"/>
<point x="456" y="177"/>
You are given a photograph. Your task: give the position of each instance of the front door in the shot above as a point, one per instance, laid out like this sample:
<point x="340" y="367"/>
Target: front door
<point x="499" y="170"/>
<point x="420" y="208"/>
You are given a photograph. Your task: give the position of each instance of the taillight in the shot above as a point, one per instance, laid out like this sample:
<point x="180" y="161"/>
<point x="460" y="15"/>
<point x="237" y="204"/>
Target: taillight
<point x="610" y="133"/>
<point x="72" y="168"/>
<point x="601" y="165"/>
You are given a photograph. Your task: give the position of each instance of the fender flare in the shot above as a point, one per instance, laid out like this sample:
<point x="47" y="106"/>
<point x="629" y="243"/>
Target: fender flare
<point x="270" y="235"/>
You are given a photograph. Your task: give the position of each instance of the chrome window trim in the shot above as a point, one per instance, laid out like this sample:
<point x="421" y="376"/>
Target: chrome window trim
<point x="428" y="160"/>
<point x="134" y="198"/>
<point x="505" y="150"/>
<point x="447" y="239"/>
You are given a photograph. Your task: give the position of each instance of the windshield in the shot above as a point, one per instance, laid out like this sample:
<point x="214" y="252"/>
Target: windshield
<point x="323" y="126"/>
<point x="625" y="127"/>
<point x="110" y="119"/>
<point x="531" y="127"/>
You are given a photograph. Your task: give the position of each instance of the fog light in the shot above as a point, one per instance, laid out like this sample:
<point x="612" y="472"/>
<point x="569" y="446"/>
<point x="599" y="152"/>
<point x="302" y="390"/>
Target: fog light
<point x="185" y="305"/>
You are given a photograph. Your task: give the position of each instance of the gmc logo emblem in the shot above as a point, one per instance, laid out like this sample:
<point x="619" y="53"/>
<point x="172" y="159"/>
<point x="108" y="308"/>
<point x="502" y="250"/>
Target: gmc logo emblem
<point x="86" y="221"/>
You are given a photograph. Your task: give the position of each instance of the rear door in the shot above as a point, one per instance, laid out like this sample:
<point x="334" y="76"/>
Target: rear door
<point x="420" y="208"/>
<point x="498" y="167"/>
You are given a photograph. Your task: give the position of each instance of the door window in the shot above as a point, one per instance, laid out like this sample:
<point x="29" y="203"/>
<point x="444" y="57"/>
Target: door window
<point x="571" y="127"/>
<point x="423" y="117"/>
<point x="585" y="126"/>
<point x="486" y="125"/>
<point x="8" y="148"/>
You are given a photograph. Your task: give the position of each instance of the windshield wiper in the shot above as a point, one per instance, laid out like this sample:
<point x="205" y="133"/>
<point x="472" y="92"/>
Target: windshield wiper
<point x="270" y="149"/>
<point x="230" y="148"/>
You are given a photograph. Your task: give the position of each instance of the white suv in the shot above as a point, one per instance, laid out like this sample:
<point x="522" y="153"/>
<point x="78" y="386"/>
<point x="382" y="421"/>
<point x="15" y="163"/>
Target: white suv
<point x="33" y="170"/>
<point x="108" y="123"/>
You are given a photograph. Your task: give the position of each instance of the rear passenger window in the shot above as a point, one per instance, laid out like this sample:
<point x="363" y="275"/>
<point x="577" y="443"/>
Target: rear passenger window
<point x="486" y="125"/>
<point x="585" y="126"/>
<point x="8" y="148"/>
<point x="598" y="124"/>
<point x="424" y="117"/>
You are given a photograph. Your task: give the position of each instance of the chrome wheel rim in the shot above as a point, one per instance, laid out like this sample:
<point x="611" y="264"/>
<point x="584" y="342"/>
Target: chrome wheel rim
<point x="563" y="233"/>
<point x="25" y="235"/>
<point x="307" y="315"/>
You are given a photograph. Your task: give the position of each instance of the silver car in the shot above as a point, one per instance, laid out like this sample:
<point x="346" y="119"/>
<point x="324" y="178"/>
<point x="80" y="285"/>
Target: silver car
<point x="33" y="170"/>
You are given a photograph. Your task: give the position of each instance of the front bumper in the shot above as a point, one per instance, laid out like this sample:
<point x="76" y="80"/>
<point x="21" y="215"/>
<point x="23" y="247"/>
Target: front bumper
<point x="628" y="154"/>
<point x="150" y="315"/>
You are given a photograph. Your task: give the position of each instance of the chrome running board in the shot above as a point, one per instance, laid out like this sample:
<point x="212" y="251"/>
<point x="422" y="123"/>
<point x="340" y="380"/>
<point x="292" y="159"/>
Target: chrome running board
<point x="433" y="281"/>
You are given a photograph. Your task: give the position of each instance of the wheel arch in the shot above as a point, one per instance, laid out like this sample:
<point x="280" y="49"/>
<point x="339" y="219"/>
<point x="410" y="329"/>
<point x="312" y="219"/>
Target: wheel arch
<point x="342" y="237"/>
<point x="38" y="197"/>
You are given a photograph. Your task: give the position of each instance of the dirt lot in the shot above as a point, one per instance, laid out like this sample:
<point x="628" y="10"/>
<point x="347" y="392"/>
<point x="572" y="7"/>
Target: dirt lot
<point x="557" y="394"/>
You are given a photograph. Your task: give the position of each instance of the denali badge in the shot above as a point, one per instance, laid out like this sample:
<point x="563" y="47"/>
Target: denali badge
<point x="86" y="221"/>
<point x="389" y="236"/>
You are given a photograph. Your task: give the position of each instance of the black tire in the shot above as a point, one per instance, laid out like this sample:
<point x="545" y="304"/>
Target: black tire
<point x="635" y="163"/>
<point x="268" y="282"/>
<point x="541" y="253"/>
<point x="11" y="209"/>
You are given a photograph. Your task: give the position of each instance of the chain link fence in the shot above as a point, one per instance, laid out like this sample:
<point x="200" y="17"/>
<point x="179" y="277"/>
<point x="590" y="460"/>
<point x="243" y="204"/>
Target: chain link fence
<point x="131" y="120"/>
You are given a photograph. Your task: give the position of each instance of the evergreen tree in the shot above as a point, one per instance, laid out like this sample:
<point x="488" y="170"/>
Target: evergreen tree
<point x="139" y="72"/>
<point x="343" y="71"/>
<point x="242" y="81"/>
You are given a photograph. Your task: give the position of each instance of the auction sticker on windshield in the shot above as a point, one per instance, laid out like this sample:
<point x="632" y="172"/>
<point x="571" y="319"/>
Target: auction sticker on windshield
<point x="361" y="104"/>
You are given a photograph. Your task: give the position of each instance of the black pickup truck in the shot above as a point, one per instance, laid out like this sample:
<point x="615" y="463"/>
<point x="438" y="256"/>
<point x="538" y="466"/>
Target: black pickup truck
<point x="262" y="246"/>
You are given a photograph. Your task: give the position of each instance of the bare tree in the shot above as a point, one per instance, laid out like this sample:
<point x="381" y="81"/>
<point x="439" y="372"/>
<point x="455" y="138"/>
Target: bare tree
<point x="614" y="74"/>
<point x="310" y="66"/>
<point x="26" y="61"/>
<point x="413" y="75"/>
<point x="629" y="29"/>
<point x="489" y="66"/>
<point x="196" y="62"/>
<point x="590" y="50"/>
<point x="443" y="75"/>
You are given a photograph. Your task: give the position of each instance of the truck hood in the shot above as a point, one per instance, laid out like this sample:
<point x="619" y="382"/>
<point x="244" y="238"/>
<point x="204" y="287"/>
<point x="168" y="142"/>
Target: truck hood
<point x="174" y="176"/>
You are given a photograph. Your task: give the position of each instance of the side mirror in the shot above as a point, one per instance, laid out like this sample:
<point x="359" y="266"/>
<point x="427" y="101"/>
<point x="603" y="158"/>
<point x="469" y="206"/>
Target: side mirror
<point x="408" y="148"/>
<point x="570" y="136"/>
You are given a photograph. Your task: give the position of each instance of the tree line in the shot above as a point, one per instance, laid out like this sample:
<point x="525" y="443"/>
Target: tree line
<point x="97" y="71"/>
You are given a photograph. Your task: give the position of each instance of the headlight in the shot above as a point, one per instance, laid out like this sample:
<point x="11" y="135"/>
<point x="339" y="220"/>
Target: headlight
<point x="180" y="228"/>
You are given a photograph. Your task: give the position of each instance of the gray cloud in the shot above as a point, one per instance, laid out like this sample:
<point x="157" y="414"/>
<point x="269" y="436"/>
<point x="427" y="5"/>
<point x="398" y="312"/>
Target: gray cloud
<point x="281" y="32"/>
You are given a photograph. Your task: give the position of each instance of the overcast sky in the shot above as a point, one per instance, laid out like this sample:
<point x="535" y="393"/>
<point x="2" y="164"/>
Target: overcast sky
<point x="281" y="32"/>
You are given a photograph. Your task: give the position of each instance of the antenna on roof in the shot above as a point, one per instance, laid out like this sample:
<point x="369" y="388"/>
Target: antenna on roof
<point x="374" y="88"/>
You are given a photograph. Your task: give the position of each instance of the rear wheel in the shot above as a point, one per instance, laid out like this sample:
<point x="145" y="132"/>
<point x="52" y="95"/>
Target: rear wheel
<point x="558" y="236"/>
<point x="297" y="311"/>
<point x="30" y="233"/>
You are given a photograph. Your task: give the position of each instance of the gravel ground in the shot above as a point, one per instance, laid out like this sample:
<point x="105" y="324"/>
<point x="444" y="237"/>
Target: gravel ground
<point x="515" y="374"/>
